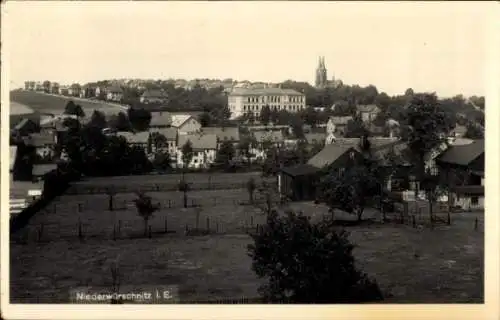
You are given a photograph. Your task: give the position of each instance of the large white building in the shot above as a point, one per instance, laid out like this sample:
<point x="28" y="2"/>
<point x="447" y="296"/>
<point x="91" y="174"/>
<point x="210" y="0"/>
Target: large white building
<point x="244" y="101"/>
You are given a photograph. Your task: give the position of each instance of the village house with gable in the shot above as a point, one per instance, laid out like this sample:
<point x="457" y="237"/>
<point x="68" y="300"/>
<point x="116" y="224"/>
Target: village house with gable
<point x="204" y="149"/>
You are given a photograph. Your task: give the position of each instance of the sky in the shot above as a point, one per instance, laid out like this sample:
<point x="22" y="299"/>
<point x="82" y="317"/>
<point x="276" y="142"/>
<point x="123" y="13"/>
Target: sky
<point x="438" y="47"/>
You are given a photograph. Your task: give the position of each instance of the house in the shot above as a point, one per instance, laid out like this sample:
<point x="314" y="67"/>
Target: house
<point x="367" y="113"/>
<point x="40" y="170"/>
<point x="44" y="144"/>
<point x="463" y="168"/>
<point x="54" y="88"/>
<point x="315" y="138"/>
<point x="154" y="96"/>
<point x="266" y="139"/>
<point x="25" y="127"/>
<point x="64" y="90"/>
<point x="140" y="139"/>
<point x="185" y="124"/>
<point x="230" y="134"/>
<point x="204" y="149"/>
<point x="114" y="93"/>
<point x="298" y="182"/>
<point x="160" y="119"/>
<point x="458" y="131"/>
<point x="88" y="91"/>
<point x="74" y="90"/>
<point x="337" y="125"/>
<point x="170" y="135"/>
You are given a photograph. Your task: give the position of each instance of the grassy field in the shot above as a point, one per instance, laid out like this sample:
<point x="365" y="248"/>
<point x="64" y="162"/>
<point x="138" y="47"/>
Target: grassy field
<point x="134" y="183"/>
<point x="55" y="104"/>
<point x="444" y="264"/>
<point x="411" y="264"/>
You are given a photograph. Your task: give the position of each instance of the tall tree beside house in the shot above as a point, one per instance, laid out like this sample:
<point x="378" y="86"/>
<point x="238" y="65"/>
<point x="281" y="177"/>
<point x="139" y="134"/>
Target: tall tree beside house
<point x="225" y="154"/>
<point x="297" y="127"/>
<point x="98" y="120"/>
<point x="350" y="191"/>
<point x="304" y="262"/>
<point x="120" y="122"/>
<point x="265" y="115"/>
<point x="355" y="128"/>
<point x="158" y="140"/>
<point x="474" y="131"/>
<point x="145" y="209"/>
<point x="161" y="161"/>
<point x="139" y="118"/>
<point x="187" y="154"/>
<point x="205" y="119"/>
<point x="428" y="128"/>
<point x="245" y="147"/>
<point x="309" y="116"/>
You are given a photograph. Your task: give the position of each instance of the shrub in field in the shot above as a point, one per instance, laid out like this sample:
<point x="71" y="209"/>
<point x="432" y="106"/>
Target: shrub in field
<point x="145" y="208"/>
<point x="308" y="263"/>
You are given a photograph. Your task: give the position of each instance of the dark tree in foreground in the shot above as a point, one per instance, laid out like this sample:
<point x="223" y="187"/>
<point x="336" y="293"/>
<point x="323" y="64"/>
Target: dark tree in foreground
<point x="474" y="131"/>
<point x="308" y="263"/>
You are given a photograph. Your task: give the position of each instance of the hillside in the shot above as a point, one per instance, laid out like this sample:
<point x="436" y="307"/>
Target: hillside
<point x="46" y="103"/>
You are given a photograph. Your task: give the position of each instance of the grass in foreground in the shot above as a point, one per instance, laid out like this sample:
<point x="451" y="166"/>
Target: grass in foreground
<point x="414" y="265"/>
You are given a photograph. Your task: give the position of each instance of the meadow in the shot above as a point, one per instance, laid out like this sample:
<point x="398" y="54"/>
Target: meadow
<point x="49" y="257"/>
<point x="48" y="103"/>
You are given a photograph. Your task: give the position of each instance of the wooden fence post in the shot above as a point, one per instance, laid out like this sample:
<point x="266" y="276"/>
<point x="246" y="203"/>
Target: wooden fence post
<point x="476" y="222"/>
<point x="40" y="232"/>
<point x="114" y="232"/>
<point x="187" y="229"/>
<point x="251" y="221"/>
<point x="80" y="231"/>
<point x="208" y="224"/>
<point x="166" y="225"/>
<point x="150" y="232"/>
<point x="413" y="221"/>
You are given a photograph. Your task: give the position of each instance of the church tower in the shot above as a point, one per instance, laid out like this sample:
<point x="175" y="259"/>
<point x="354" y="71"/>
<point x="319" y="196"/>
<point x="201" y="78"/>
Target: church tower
<point x="321" y="74"/>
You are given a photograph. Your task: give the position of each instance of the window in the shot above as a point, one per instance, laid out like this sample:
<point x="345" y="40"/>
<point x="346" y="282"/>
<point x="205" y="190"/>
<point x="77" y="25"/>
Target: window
<point x="474" y="201"/>
<point x="248" y="100"/>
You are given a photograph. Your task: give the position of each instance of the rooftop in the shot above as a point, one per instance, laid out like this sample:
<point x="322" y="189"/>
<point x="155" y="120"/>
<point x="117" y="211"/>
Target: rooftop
<point x="138" y="137"/>
<point x="179" y="119"/>
<point x="199" y="142"/>
<point x="367" y="108"/>
<point x="462" y="155"/>
<point x="274" y="136"/>
<point x="169" y="133"/>
<point x="264" y="92"/>
<point x="223" y="133"/>
<point x="160" y="119"/>
<point x="328" y="155"/>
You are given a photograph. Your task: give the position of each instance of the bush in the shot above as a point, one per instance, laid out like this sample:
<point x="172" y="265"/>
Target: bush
<point x="308" y="263"/>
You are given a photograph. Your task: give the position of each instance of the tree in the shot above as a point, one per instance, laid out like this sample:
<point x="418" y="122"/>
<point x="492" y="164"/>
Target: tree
<point x="187" y="154"/>
<point x="139" y="118"/>
<point x="355" y="128"/>
<point x="79" y="113"/>
<point x="351" y="191"/>
<point x="474" y="131"/>
<point x="120" y="122"/>
<point x="158" y="140"/>
<point x="245" y="147"/>
<point x="428" y="128"/>
<point x="111" y="192"/>
<point x="145" y="208"/>
<point x="265" y="115"/>
<point x="161" y="161"/>
<point x="70" y="108"/>
<point x="409" y="93"/>
<point x="98" y="120"/>
<point x="184" y="187"/>
<point x="308" y="263"/>
<point x="225" y="154"/>
<point x="205" y="119"/>
<point x="251" y="186"/>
